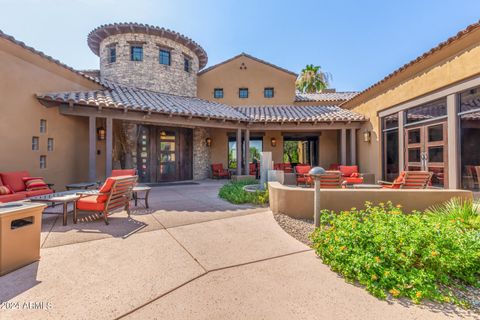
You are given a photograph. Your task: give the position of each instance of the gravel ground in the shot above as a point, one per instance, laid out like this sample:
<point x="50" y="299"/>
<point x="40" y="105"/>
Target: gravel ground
<point x="300" y="229"/>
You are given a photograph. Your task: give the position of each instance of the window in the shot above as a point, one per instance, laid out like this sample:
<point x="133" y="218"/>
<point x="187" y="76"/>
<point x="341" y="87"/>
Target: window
<point x="218" y="93"/>
<point x="390" y="147"/>
<point x="136" y="53"/>
<point x="43" y="126"/>
<point x="428" y="111"/>
<point x="299" y="149"/>
<point x="243" y="93"/>
<point x="112" y="54"/>
<point x="164" y="57"/>
<point x="43" y="162"/>
<point x="187" y="64"/>
<point x="50" y="144"/>
<point x="268" y="93"/>
<point x="256" y="147"/>
<point x="35" y="143"/>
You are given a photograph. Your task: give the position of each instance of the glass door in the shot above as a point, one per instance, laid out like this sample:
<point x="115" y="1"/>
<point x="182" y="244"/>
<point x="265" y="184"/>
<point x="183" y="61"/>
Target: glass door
<point x="166" y="153"/>
<point x="426" y="150"/>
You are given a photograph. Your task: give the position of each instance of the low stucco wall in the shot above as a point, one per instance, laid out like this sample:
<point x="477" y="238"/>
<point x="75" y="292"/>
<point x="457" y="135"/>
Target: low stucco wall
<point x="298" y="202"/>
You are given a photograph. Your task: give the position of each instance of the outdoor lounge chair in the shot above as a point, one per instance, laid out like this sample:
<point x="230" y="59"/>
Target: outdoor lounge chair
<point x="302" y="175"/>
<point x="115" y="193"/>
<point x="219" y="172"/>
<point x="123" y="172"/>
<point x="409" y="180"/>
<point x="331" y="180"/>
<point x="285" y="167"/>
<point x="350" y="174"/>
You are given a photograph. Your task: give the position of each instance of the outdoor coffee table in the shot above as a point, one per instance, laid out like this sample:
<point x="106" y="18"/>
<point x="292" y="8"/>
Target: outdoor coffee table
<point x="63" y="198"/>
<point x="366" y="186"/>
<point x="81" y="185"/>
<point x="138" y="189"/>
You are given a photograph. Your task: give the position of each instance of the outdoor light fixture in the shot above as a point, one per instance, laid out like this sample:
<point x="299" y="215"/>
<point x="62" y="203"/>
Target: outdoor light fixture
<point x="367" y="136"/>
<point x="101" y="133"/>
<point x="208" y="141"/>
<point x="273" y="142"/>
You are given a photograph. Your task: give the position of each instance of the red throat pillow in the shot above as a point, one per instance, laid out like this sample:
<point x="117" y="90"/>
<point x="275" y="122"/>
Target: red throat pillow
<point x="34" y="183"/>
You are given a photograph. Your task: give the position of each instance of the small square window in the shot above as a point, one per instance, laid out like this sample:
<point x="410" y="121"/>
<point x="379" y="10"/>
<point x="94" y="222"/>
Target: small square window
<point x="50" y="144"/>
<point x="187" y="64"/>
<point x="136" y="53"/>
<point x="164" y="57"/>
<point x="218" y="93"/>
<point x="243" y="93"/>
<point x="35" y="143"/>
<point x="268" y="93"/>
<point x="43" y="162"/>
<point x="112" y="54"/>
<point x="43" y="126"/>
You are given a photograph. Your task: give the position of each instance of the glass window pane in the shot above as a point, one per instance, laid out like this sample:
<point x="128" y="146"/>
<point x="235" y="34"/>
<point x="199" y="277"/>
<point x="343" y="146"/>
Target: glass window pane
<point x="243" y="93"/>
<point x="256" y="147"/>
<point x="164" y="57"/>
<point x="435" y="154"/>
<point x="435" y="133"/>
<point x="391" y="155"/>
<point x="232" y="154"/>
<point x="167" y="146"/>
<point x="470" y="100"/>
<point x="470" y="152"/>
<point x="390" y="121"/>
<point x="136" y="53"/>
<point x="414" y="136"/>
<point x="438" y="178"/>
<point x="428" y="111"/>
<point x="414" y="155"/>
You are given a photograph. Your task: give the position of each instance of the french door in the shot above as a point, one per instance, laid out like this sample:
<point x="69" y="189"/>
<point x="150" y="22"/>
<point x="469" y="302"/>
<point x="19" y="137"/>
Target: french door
<point x="426" y="150"/>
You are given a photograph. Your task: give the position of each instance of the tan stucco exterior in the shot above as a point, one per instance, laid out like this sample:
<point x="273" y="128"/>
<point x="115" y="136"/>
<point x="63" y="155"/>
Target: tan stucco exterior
<point x="255" y="77"/>
<point x="24" y="73"/>
<point x="455" y="62"/>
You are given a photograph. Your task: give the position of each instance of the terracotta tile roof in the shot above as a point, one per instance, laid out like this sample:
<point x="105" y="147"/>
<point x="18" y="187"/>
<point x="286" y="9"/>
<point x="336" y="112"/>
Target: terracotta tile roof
<point x="243" y="54"/>
<point x="439" y="47"/>
<point x="325" y="96"/>
<point x="122" y="97"/>
<point x="43" y="55"/>
<point x="287" y="113"/>
<point x="99" y="34"/>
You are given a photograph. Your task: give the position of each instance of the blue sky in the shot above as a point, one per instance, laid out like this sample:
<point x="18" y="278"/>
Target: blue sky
<point x="358" y="42"/>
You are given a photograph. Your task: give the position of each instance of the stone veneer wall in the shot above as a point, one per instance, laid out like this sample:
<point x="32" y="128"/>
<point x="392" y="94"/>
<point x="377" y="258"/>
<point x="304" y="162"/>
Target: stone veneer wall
<point x="149" y="74"/>
<point x="201" y="154"/>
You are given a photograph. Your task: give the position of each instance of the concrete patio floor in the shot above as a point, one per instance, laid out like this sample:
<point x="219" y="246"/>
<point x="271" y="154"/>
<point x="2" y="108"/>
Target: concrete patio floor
<point x="190" y="256"/>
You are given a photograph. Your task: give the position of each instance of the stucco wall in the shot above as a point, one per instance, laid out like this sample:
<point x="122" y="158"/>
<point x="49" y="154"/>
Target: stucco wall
<point x="149" y="73"/>
<point x="22" y="75"/>
<point x="256" y="77"/>
<point x="451" y="65"/>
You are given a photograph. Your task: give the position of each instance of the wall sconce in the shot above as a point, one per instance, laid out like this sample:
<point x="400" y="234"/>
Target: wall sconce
<point x="101" y="133"/>
<point x="273" y="142"/>
<point x="367" y="136"/>
<point x="208" y="141"/>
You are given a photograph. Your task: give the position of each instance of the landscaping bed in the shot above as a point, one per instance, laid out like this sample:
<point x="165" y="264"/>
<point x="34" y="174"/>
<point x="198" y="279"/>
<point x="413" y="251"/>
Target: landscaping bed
<point x="433" y="255"/>
<point x="234" y="192"/>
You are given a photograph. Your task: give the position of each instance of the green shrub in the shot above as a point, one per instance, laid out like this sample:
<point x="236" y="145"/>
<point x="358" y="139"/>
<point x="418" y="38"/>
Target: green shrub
<point x="417" y="255"/>
<point x="233" y="192"/>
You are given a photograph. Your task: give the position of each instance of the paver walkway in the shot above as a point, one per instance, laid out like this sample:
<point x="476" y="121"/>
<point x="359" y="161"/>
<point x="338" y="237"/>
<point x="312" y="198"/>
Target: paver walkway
<point x="192" y="256"/>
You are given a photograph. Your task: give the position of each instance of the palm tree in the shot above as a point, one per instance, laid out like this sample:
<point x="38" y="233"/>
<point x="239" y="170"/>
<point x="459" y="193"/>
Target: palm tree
<point x="312" y="79"/>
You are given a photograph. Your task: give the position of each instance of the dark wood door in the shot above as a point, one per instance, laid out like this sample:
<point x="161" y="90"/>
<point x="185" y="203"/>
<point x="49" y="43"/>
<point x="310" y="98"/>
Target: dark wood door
<point x="167" y="154"/>
<point x="426" y="150"/>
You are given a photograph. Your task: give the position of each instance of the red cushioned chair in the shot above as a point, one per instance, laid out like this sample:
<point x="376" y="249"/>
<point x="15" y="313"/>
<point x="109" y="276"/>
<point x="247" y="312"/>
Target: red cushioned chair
<point x="219" y="172"/>
<point x="350" y="174"/>
<point x="331" y="180"/>
<point x="14" y="181"/>
<point x="334" y="167"/>
<point x="123" y="172"/>
<point x="115" y="193"/>
<point x="286" y="167"/>
<point x="302" y="175"/>
<point x="409" y="180"/>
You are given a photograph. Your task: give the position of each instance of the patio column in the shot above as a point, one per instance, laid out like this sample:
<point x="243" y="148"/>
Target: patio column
<point x="239" y="152"/>
<point x="108" y="148"/>
<point x="247" y="152"/>
<point x="353" y="147"/>
<point x="343" y="146"/>
<point x="453" y="146"/>
<point x="92" y="141"/>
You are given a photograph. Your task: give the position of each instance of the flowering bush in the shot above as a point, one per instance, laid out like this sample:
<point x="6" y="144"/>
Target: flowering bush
<point x="417" y="255"/>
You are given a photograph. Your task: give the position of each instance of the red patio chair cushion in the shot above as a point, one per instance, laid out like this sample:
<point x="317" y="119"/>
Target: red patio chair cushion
<point x="303" y="169"/>
<point x="347" y="171"/>
<point x="353" y="180"/>
<point x="91" y="203"/>
<point x="123" y="172"/>
<point x="107" y="186"/>
<point x="14" y="180"/>
<point x="39" y="192"/>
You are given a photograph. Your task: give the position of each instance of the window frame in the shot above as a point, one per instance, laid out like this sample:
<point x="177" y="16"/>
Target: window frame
<point x="169" y="52"/>
<point x="112" y="58"/>
<point x="50" y="145"/>
<point x="240" y="90"/>
<point x="187" y="64"/>
<point x="132" y="52"/>
<point x="35" y="143"/>
<point x="43" y="126"/>
<point x="43" y="162"/>
<point x="268" y="89"/>
<point x="215" y="93"/>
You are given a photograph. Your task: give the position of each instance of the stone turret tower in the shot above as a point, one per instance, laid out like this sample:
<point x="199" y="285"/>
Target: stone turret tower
<point x="148" y="57"/>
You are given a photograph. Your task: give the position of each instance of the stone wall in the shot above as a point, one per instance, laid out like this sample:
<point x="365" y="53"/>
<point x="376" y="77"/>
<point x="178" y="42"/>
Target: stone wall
<point x="149" y="74"/>
<point x="201" y="154"/>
